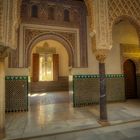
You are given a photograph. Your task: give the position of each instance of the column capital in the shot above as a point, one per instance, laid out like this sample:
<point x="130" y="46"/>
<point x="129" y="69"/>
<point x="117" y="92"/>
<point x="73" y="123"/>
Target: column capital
<point x="3" y="52"/>
<point x="101" y="55"/>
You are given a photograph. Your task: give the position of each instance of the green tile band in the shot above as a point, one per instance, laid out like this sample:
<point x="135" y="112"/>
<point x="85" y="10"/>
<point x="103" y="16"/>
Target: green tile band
<point x="76" y="77"/>
<point x="16" y="78"/>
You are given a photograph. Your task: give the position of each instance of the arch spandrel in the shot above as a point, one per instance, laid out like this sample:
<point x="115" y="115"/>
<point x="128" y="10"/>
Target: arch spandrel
<point x="47" y="36"/>
<point x="131" y="20"/>
<point x="118" y="11"/>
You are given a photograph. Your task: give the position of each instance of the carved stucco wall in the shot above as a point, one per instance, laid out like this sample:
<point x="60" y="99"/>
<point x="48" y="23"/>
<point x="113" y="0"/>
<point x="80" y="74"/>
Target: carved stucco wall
<point x="9" y="22"/>
<point x="106" y="13"/>
<point x="116" y="9"/>
<point x="90" y="10"/>
<point x="33" y="36"/>
<point x="77" y="12"/>
<point x="124" y="9"/>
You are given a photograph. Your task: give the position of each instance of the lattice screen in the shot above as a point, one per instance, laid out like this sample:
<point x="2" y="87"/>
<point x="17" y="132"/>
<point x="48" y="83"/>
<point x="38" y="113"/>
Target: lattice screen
<point x="16" y="93"/>
<point x="119" y="8"/>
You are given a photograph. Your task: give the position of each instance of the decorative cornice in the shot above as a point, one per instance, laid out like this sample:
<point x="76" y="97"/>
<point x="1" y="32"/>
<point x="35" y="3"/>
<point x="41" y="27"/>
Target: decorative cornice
<point x="93" y="76"/>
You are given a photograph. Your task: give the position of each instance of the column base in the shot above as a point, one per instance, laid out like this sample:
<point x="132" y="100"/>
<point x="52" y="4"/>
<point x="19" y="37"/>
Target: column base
<point x="104" y="123"/>
<point x="2" y="134"/>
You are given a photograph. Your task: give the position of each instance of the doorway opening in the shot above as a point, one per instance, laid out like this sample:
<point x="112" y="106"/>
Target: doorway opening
<point x="49" y="61"/>
<point x="130" y="79"/>
<point x="126" y="53"/>
<point x="49" y="73"/>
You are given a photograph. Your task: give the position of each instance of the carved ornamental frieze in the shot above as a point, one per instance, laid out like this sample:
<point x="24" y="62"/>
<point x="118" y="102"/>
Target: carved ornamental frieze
<point x="101" y="24"/>
<point x="68" y="37"/>
<point x="118" y="8"/>
<point x="31" y="34"/>
<point x="9" y="22"/>
<point x="52" y="12"/>
<point x="121" y="9"/>
<point x="58" y="13"/>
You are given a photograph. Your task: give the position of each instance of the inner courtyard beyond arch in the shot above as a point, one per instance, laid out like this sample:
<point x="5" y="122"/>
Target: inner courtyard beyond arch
<point x="68" y="66"/>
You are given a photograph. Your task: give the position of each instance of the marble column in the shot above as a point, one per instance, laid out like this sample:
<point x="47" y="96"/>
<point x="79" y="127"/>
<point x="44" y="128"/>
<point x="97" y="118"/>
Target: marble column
<point x="103" y="108"/>
<point x="101" y="56"/>
<point x="2" y="100"/>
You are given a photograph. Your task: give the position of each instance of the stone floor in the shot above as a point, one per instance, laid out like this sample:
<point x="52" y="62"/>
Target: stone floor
<point x="48" y="98"/>
<point x="129" y="131"/>
<point x="46" y="119"/>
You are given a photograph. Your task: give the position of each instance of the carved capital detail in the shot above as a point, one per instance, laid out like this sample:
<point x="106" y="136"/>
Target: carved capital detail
<point x="101" y="55"/>
<point x="3" y="52"/>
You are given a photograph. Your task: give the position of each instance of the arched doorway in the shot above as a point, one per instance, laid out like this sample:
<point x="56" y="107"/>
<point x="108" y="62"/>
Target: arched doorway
<point x="49" y="61"/>
<point x="126" y="47"/>
<point x="49" y="66"/>
<point x="130" y="79"/>
<point x="49" y="71"/>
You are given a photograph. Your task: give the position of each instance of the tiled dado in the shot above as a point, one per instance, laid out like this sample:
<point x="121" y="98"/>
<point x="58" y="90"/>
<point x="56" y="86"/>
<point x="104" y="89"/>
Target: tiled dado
<point x="86" y="88"/>
<point x="16" y="93"/>
<point x="16" y="78"/>
<point x="97" y="76"/>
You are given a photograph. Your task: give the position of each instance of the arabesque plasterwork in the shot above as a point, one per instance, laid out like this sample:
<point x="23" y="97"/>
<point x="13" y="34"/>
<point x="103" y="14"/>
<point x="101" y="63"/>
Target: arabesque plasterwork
<point x="102" y="16"/>
<point x="124" y="9"/>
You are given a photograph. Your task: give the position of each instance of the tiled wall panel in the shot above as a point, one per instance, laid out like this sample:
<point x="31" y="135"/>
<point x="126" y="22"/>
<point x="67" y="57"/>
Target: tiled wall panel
<point x="16" y="93"/>
<point x="86" y="89"/>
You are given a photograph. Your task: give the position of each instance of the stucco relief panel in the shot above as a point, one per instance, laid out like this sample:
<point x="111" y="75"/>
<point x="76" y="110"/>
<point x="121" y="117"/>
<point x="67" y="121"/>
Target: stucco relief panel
<point x="31" y="34"/>
<point x="58" y="19"/>
<point x="124" y="9"/>
<point x="118" y="8"/>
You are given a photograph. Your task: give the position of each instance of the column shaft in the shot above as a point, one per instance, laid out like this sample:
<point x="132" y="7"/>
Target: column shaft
<point x="103" y="106"/>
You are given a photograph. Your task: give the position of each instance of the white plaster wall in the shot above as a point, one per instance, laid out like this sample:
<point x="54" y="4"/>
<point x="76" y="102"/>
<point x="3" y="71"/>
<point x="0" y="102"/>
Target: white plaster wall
<point x="113" y="61"/>
<point x="92" y="62"/>
<point x="123" y="33"/>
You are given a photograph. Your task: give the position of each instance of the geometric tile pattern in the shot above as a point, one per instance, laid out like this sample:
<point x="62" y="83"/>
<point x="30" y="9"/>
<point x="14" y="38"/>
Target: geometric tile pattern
<point x="86" y="88"/>
<point x="16" y="93"/>
<point x="97" y="76"/>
